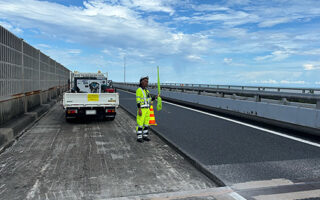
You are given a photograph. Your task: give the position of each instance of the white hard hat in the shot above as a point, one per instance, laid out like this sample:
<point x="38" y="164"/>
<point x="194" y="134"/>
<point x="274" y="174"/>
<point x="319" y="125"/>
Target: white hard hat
<point x="144" y="77"/>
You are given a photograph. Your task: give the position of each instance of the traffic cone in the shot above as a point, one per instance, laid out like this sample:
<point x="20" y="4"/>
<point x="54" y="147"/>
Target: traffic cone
<point x="152" y="120"/>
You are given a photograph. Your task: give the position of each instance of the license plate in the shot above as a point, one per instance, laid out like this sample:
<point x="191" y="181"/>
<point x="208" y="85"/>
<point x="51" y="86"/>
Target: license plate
<point x="91" y="112"/>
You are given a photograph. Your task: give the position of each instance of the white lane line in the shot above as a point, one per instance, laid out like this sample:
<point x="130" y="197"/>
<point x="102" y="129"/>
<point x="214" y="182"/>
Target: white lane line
<point x="309" y="194"/>
<point x="245" y="124"/>
<point x="236" y="196"/>
<point x="262" y="184"/>
<point x="248" y="125"/>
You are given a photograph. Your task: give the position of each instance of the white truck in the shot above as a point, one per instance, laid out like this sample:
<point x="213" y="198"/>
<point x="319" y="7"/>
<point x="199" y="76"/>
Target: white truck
<point x="90" y="95"/>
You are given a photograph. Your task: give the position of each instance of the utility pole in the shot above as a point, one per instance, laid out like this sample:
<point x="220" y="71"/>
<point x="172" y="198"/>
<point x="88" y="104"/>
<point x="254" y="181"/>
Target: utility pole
<point x="124" y="69"/>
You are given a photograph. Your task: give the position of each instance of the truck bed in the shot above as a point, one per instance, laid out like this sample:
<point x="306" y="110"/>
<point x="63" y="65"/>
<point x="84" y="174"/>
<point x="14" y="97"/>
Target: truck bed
<point x="90" y="99"/>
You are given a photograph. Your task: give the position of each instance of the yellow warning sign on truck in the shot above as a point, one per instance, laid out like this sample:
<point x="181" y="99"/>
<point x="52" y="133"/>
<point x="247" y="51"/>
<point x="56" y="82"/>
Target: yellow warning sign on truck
<point x="93" y="97"/>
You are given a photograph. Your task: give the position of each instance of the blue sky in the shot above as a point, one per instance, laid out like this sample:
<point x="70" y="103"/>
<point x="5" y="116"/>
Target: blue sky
<point x="234" y="42"/>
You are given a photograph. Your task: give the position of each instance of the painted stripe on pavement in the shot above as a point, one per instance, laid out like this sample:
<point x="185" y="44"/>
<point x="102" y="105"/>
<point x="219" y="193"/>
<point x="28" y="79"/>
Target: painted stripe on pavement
<point x="244" y="124"/>
<point x="248" y="125"/>
<point x="236" y="196"/>
<point x="290" y="196"/>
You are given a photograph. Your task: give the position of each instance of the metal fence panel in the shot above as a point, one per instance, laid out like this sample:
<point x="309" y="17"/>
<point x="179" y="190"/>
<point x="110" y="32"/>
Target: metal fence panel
<point x="24" y="68"/>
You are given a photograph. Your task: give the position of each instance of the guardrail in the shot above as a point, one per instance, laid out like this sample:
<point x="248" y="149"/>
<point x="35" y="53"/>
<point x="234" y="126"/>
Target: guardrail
<point x="301" y="95"/>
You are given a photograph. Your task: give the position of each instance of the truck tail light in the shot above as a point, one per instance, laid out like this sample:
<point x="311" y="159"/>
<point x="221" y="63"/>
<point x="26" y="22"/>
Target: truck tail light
<point x="109" y="90"/>
<point x="110" y="111"/>
<point x="72" y="111"/>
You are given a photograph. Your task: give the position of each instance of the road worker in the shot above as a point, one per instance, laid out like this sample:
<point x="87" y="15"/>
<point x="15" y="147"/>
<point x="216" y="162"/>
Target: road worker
<point x="144" y="100"/>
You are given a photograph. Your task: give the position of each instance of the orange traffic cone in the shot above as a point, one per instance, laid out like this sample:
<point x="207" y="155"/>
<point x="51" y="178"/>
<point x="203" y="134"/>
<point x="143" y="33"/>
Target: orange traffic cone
<point x="152" y="120"/>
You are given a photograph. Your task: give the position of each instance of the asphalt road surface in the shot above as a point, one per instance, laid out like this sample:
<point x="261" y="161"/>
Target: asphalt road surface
<point x="94" y="160"/>
<point x="233" y="152"/>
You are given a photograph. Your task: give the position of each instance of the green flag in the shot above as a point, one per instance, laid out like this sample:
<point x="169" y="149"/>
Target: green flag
<point x="159" y="100"/>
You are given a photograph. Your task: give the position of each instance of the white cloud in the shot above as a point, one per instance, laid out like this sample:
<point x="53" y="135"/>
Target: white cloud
<point x="317" y="83"/>
<point x="194" y="58"/>
<point x="101" y="24"/>
<point x="227" y="60"/>
<point x="272" y="81"/>
<point x="46" y="46"/>
<point x="292" y="82"/>
<point x="259" y="58"/>
<point x="11" y="28"/>
<point x="275" y="56"/>
<point x="178" y="36"/>
<point x="230" y="18"/>
<point x="309" y="67"/>
<point x="238" y="2"/>
<point x="273" y="22"/>
<point x="150" y="5"/>
<point x="207" y="7"/>
<point x="263" y="13"/>
<point x="106" y="51"/>
<point x="311" y="52"/>
<point x="74" y="51"/>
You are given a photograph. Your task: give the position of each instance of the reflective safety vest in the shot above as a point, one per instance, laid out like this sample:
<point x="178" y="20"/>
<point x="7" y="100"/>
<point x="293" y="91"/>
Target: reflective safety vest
<point x="143" y="97"/>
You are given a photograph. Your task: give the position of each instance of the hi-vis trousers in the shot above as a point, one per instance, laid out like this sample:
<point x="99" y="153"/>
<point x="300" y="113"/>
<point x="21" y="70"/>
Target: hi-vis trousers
<point x="143" y="122"/>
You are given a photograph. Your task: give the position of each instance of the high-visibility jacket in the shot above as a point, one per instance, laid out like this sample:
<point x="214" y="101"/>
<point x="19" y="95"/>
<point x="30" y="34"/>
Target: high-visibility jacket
<point x="143" y="98"/>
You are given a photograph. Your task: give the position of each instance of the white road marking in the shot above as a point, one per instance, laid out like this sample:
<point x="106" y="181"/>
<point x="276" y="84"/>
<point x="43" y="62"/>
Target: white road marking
<point x="248" y="125"/>
<point x="236" y="196"/>
<point x="290" y="196"/>
<point x="244" y="124"/>
<point x="44" y="168"/>
<point x="261" y="184"/>
<point x="33" y="190"/>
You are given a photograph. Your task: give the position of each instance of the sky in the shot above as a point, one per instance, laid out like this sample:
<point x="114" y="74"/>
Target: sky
<point x="222" y="42"/>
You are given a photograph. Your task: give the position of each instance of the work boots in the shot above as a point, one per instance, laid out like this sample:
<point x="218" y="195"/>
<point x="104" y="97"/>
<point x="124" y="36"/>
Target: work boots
<point x="139" y="139"/>
<point x="146" y="138"/>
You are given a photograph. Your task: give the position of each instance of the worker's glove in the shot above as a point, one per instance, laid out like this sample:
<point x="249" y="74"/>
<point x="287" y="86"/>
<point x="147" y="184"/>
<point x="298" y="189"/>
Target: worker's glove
<point x="159" y="103"/>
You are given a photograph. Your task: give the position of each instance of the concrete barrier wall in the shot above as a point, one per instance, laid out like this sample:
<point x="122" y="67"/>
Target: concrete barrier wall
<point x="45" y="98"/>
<point x="11" y="108"/>
<point x="301" y="116"/>
<point x="32" y="101"/>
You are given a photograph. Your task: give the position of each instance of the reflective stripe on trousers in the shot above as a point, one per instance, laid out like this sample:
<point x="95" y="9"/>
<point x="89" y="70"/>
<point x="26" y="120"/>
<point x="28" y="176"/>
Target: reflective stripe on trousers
<point x="145" y="131"/>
